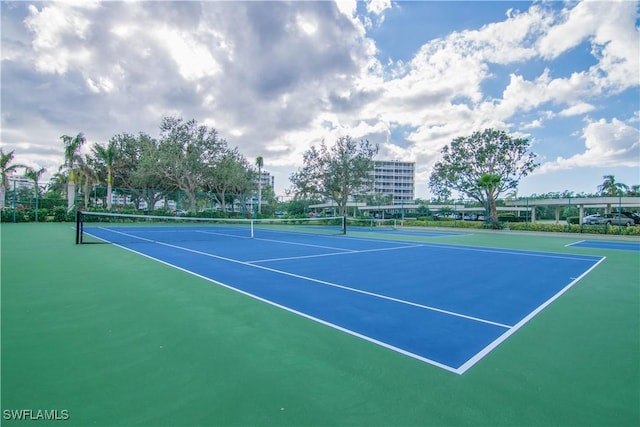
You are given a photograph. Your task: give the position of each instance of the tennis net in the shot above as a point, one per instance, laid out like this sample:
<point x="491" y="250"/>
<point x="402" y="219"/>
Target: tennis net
<point x="371" y="224"/>
<point x="99" y="227"/>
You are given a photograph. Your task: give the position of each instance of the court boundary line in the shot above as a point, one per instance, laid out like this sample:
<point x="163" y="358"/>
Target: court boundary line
<point x="299" y="313"/>
<point x="350" y="252"/>
<point x="485" y="351"/>
<point x="488" y="249"/>
<point x="610" y="245"/>
<point x="568" y="245"/>
<point x="477" y="357"/>
<point x="324" y="282"/>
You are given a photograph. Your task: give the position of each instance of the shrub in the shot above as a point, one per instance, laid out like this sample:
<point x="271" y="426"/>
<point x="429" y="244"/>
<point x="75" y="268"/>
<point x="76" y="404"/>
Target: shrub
<point x="59" y="214"/>
<point x="9" y="215"/>
<point x="573" y="220"/>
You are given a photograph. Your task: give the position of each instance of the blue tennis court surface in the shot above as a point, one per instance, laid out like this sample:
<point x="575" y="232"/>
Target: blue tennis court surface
<point x="602" y="244"/>
<point x="442" y="304"/>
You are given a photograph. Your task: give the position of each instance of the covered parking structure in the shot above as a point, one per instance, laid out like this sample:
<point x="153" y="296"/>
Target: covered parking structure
<point x="399" y="210"/>
<point x="606" y="203"/>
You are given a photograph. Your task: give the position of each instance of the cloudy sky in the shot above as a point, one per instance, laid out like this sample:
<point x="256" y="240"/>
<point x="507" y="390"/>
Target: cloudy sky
<point x="274" y="78"/>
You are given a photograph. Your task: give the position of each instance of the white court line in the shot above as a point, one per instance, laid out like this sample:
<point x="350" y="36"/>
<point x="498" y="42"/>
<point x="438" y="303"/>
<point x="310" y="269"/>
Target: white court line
<point x="350" y="252"/>
<point x="285" y="242"/>
<point x="324" y="282"/>
<point x="475" y="359"/>
<point x="461" y="370"/>
<point x="299" y="313"/>
<point x="574" y="243"/>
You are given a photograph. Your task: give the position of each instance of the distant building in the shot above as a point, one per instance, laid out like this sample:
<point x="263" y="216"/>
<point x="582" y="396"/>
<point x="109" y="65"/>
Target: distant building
<point x="395" y="179"/>
<point x="267" y="179"/>
<point x="19" y="182"/>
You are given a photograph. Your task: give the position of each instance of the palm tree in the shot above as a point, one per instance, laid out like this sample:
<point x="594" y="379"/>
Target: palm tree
<point x="610" y="187"/>
<point x="634" y="190"/>
<point x="72" y="159"/>
<point x="35" y="175"/>
<point x="6" y="169"/>
<point x="107" y="156"/>
<point x="259" y="163"/>
<point x="57" y="183"/>
<point x="87" y="176"/>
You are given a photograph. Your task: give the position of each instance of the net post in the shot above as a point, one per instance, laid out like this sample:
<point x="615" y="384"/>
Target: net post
<point x="344" y="224"/>
<point x="79" y="223"/>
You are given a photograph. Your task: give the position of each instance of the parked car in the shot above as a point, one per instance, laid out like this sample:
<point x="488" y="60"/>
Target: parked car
<point x="633" y="215"/>
<point x="591" y="219"/>
<point x="616" y="219"/>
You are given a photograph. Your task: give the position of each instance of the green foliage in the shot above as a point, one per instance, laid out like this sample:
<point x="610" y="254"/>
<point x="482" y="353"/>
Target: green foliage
<point x="576" y="228"/>
<point x="336" y="172"/>
<point x="573" y="220"/>
<point x="60" y="214"/>
<point x="482" y="166"/>
<point x="610" y="187"/>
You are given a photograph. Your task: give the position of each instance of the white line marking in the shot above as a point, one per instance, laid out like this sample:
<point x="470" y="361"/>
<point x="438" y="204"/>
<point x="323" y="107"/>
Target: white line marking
<point x="461" y="370"/>
<point x="574" y="243"/>
<point x="299" y="313"/>
<point x="480" y="355"/>
<point x="335" y="285"/>
<point x="350" y="252"/>
<point x="285" y="242"/>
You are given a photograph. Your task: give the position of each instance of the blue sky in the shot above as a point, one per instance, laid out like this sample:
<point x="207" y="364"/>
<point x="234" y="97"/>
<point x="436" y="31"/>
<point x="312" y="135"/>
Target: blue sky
<point x="274" y="78"/>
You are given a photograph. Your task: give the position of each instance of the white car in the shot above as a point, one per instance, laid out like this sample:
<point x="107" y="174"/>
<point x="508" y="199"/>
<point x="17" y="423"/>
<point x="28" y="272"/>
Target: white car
<point x="591" y="219"/>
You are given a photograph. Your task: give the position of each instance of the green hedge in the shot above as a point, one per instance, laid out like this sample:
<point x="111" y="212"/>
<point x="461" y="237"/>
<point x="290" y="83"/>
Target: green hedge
<point x="576" y="228"/>
<point x="528" y="226"/>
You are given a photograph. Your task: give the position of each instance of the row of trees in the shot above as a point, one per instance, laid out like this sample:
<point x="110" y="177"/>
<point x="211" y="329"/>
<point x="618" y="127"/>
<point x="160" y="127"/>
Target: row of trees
<point x="187" y="157"/>
<point x="481" y="167"/>
<point x="190" y="158"/>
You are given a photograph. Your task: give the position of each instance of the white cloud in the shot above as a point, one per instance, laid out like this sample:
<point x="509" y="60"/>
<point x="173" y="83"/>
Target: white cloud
<point x="275" y="78"/>
<point x="347" y="7"/>
<point x="613" y="143"/>
<point x="59" y="32"/>
<point x="611" y="29"/>
<point x="576" y="110"/>
<point x="378" y="7"/>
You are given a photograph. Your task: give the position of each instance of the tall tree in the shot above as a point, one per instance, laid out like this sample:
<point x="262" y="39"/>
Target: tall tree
<point x="472" y="165"/>
<point x="34" y="175"/>
<point x="229" y="176"/>
<point x="6" y="170"/>
<point x="87" y="176"/>
<point x="336" y="172"/>
<point x="610" y="187"/>
<point x="185" y="152"/>
<point x="259" y="163"/>
<point x="72" y="160"/>
<point x="106" y="156"/>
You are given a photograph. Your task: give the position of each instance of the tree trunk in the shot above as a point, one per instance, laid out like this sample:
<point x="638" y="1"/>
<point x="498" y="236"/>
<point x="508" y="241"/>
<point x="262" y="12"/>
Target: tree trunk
<point x="493" y="209"/>
<point x="259" y="190"/>
<point x="71" y="194"/>
<point x="109" y="189"/>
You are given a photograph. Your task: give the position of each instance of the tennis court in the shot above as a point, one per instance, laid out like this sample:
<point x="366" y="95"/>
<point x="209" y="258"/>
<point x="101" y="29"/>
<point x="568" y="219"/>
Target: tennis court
<point x="605" y="244"/>
<point x="418" y="299"/>
<point x="317" y="328"/>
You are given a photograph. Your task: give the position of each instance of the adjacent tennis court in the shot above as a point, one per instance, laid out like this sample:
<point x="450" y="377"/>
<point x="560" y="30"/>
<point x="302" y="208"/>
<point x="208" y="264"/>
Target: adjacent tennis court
<point x="447" y="305"/>
<point x="604" y="244"/>
<point x="298" y="324"/>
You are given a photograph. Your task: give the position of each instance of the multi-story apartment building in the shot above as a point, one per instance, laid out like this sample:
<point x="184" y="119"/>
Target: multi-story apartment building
<point x="395" y="179"/>
<point x="266" y="179"/>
